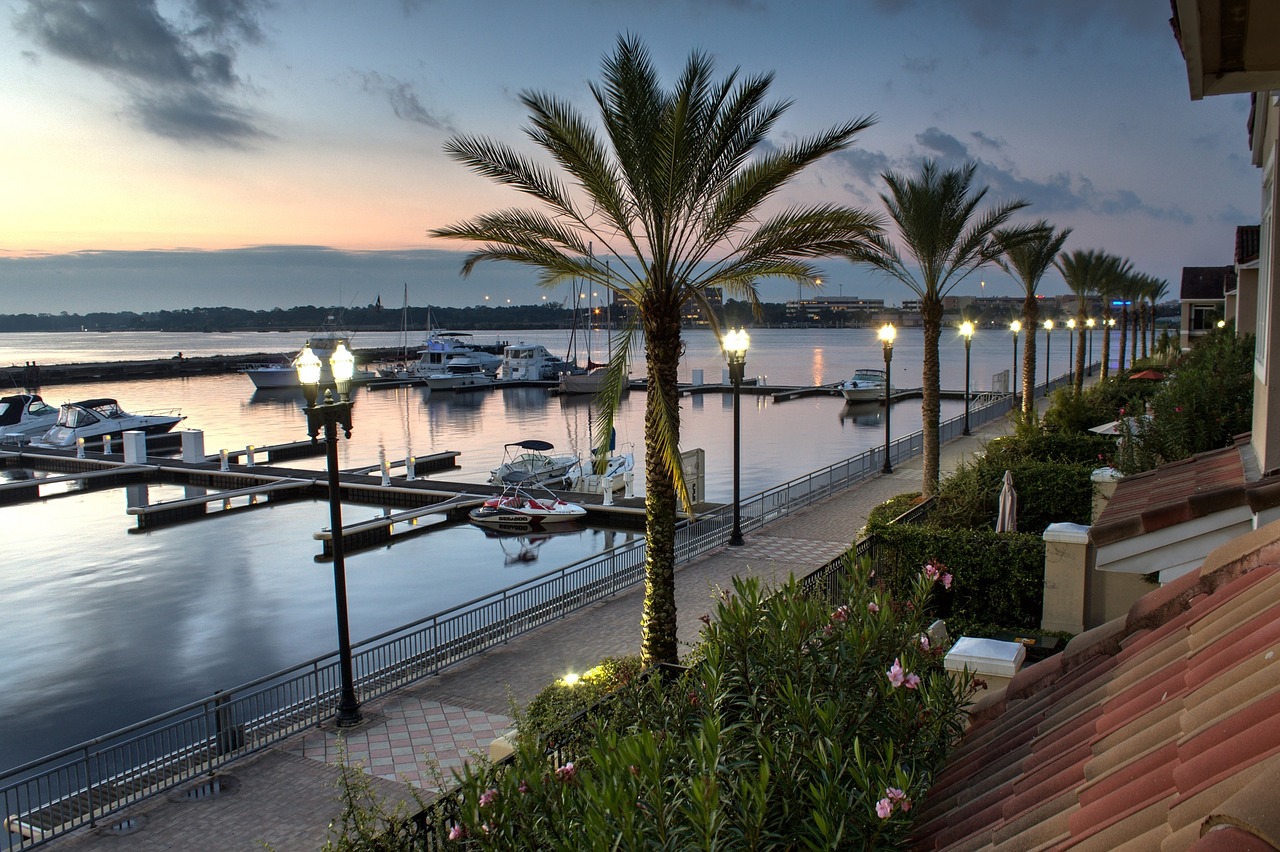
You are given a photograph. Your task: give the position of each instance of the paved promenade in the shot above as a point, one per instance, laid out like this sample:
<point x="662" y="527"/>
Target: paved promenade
<point x="285" y="797"/>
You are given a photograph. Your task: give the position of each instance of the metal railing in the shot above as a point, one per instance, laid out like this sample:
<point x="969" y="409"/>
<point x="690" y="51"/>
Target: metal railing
<point x="82" y="784"/>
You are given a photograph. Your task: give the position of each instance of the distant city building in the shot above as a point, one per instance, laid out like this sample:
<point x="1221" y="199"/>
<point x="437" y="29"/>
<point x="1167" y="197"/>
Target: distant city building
<point x="841" y="310"/>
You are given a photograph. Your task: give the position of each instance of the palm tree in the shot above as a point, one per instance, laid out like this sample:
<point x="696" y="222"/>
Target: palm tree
<point x="1157" y="289"/>
<point x="1111" y="276"/>
<point x="673" y="192"/>
<point x="1028" y="260"/>
<point x="1127" y="289"/>
<point x="1083" y="271"/>
<point x="940" y="228"/>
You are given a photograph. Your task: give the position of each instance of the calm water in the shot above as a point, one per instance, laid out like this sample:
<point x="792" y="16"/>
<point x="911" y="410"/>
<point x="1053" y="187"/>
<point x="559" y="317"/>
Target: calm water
<point x="117" y="625"/>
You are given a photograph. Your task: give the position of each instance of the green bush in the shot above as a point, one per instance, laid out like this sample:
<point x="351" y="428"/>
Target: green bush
<point x="886" y="512"/>
<point x="996" y="577"/>
<point x="796" y="726"/>
<point x="563" y="699"/>
<point x="1048" y="492"/>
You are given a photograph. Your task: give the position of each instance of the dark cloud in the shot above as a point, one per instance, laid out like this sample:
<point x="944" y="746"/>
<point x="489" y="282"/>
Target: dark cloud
<point x="946" y="146"/>
<point x="403" y="99"/>
<point x="180" y="82"/>
<point x="986" y="141"/>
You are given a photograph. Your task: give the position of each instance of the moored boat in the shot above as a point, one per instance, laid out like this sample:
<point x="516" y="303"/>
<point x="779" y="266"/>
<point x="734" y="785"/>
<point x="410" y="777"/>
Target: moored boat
<point x="322" y="343"/>
<point x="532" y="362"/>
<point x="865" y="385"/>
<point x="25" y="416"/>
<point x="535" y="465"/>
<point x="92" y="419"/>
<point x="523" y="504"/>
<point x="461" y="372"/>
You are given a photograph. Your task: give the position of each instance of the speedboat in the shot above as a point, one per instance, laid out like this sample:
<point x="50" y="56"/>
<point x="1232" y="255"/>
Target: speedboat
<point x="866" y="384"/>
<point x="92" y="419"/>
<point x="523" y="504"/>
<point x="460" y="372"/>
<point x="323" y="344"/>
<point x="23" y="416"/>
<point x="535" y="465"/>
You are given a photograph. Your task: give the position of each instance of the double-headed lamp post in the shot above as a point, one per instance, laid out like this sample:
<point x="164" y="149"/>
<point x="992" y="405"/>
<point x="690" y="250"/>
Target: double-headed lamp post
<point x="1088" y="366"/>
<point x="966" y="331"/>
<point x="887" y="333"/>
<point x="1071" y="350"/>
<point x="1048" y="329"/>
<point x="1015" y="327"/>
<point x="329" y="414"/>
<point x="735" y="351"/>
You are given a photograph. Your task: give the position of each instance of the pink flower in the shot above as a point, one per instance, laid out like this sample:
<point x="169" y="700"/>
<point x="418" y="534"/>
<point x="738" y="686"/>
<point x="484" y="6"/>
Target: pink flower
<point x="896" y="675"/>
<point x="873" y="607"/>
<point x="567" y="772"/>
<point x="1178" y="409"/>
<point x="523" y="788"/>
<point x="924" y="643"/>
<point x="487" y="797"/>
<point x="457" y="832"/>
<point x="841" y="615"/>
<point x="930" y="571"/>
<point x="912" y="681"/>
<point x="884" y="808"/>
<point x="946" y="581"/>
<point x="894" y="794"/>
<point x="1122" y="412"/>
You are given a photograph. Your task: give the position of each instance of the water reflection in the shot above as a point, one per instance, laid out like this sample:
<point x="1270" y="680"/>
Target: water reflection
<point x="522" y="546"/>
<point x="861" y="414"/>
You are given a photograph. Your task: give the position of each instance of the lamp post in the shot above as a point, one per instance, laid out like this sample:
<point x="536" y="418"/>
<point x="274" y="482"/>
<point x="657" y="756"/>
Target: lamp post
<point x="887" y="334"/>
<point x="329" y="414"/>
<point x="1048" y="328"/>
<point x="1088" y="367"/>
<point x="1015" y="327"/>
<point x="966" y="331"/>
<point x="1071" y="350"/>
<point x="735" y="351"/>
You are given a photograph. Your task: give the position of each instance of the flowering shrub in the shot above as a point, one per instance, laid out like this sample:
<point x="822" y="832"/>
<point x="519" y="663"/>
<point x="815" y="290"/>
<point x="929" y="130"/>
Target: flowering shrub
<point x="798" y="724"/>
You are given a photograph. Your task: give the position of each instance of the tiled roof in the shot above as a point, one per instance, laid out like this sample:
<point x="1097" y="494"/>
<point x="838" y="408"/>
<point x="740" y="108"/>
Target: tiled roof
<point x="1247" y="240"/>
<point x="1156" y="731"/>
<point x="1205" y="282"/>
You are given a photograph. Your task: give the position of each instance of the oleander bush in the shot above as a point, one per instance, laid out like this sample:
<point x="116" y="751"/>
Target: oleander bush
<point x="797" y="725"/>
<point x="563" y="699"/>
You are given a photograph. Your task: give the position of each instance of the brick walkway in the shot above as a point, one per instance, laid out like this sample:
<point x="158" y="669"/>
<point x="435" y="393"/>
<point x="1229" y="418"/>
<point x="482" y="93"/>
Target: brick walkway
<point x="287" y="796"/>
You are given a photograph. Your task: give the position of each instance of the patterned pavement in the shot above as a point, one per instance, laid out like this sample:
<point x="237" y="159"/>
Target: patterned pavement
<point x="285" y="798"/>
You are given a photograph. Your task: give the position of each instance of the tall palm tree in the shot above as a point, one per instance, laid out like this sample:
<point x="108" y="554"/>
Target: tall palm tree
<point x="671" y="187"/>
<point x="946" y="237"/>
<point x="1127" y="290"/>
<point x="1157" y="289"/>
<point x="1028" y="260"/>
<point x="1112" y="275"/>
<point x="1083" y="271"/>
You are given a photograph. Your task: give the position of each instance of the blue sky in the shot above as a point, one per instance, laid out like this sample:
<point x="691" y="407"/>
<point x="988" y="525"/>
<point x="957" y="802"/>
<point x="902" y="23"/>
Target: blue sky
<point x="263" y="153"/>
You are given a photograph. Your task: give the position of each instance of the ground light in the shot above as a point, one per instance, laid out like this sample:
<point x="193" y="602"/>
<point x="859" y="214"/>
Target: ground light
<point x="329" y="415"/>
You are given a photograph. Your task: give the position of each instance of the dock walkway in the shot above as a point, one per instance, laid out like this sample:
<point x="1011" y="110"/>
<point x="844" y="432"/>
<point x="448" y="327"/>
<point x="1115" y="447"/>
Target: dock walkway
<point x="286" y="796"/>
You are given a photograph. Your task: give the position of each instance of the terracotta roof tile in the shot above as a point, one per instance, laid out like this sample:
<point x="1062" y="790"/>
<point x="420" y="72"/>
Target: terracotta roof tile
<point x="1139" y="734"/>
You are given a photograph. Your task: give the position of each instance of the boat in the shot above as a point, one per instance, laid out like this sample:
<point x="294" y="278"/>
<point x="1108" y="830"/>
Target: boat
<point x="524" y="504"/>
<point x="92" y="419"/>
<point x="579" y="383"/>
<point x="461" y="372"/>
<point x="322" y="343"/>
<point x="532" y="362"/>
<point x="576" y="380"/>
<point x="440" y="348"/>
<point x="24" y="416"/>
<point x="866" y="384"/>
<point x="535" y="464"/>
<point x="615" y="474"/>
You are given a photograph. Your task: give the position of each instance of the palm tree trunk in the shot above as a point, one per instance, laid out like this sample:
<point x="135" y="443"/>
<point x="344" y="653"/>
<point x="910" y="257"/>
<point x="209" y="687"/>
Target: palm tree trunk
<point x="1133" y="340"/>
<point x="1078" y="379"/>
<point x="931" y="408"/>
<point x="1030" y="322"/>
<point x="1151" y="311"/>
<point x="1124" y="337"/>
<point x="662" y="358"/>
<point x="1106" y="343"/>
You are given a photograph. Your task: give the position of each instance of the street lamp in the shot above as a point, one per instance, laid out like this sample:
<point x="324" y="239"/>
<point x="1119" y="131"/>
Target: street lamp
<point x="1048" y="328"/>
<point x="1071" y="350"/>
<point x="735" y="351"/>
<point x="329" y="414"/>
<point x="887" y="334"/>
<point x="1015" y="327"/>
<point x="966" y="330"/>
<point x="1088" y="369"/>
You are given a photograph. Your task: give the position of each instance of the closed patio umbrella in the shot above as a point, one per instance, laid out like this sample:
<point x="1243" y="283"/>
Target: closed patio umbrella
<point x="1007" y="519"/>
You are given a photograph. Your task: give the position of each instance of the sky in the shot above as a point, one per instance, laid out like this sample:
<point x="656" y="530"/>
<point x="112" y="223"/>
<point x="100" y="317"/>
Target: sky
<point x="166" y="154"/>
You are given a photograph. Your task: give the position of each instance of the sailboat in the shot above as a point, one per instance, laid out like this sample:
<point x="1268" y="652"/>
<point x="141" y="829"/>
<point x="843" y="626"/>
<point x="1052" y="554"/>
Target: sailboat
<point x="593" y="380"/>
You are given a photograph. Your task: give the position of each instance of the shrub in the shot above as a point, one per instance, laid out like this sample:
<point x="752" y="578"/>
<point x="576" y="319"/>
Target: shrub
<point x="796" y="726"/>
<point x="890" y="509"/>
<point x="560" y="701"/>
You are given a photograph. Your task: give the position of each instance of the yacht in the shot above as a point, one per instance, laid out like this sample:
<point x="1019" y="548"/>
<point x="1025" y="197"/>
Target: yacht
<point x="460" y="372"/>
<point x="24" y="416"/>
<point x="532" y="362"/>
<point x="866" y="384"/>
<point x="535" y="464"/>
<point x="92" y="419"/>
<point x="323" y="344"/>
<point x="442" y="346"/>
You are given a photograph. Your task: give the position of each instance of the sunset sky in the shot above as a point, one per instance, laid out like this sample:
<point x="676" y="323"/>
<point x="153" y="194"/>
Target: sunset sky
<point x="262" y="153"/>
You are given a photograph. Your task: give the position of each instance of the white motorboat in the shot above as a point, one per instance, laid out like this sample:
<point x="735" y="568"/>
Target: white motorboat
<point x="535" y="465"/>
<point x="532" y="362"/>
<point x="462" y="372"/>
<point x="322" y="343"/>
<point x="616" y="474"/>
<point x="92" y="419"/>
<point x="523" y="505"/>
<point x="589" y="382"/>
<point x="865" y="385"/>
<point x="25" y="416"/>
<point x="440" y="348"/>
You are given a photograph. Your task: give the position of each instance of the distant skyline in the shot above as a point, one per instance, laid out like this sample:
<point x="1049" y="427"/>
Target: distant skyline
<point x="273" y="153"/>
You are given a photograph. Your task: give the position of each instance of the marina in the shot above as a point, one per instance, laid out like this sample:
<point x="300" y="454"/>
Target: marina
<point x="209" y="605"/>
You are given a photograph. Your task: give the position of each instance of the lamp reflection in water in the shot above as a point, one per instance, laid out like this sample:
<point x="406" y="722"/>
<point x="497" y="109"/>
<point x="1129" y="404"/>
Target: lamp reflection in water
<point x="328" y="415"/>
<point x="887" y="333"/>
<point x="735" y="352"/>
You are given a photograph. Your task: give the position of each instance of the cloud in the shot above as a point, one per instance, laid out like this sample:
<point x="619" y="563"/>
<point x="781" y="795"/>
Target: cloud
<point x="179" y="83"/>
<point x="403" y="99"/>
<point x="945" y="145"/>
